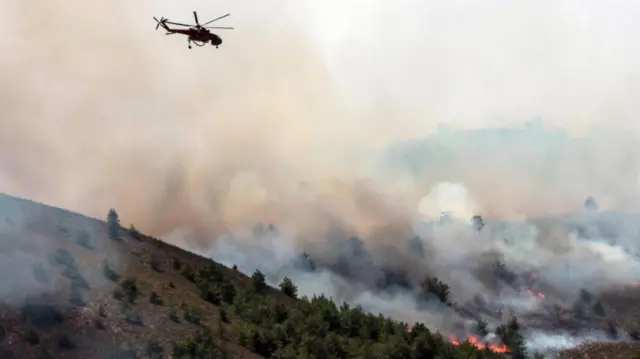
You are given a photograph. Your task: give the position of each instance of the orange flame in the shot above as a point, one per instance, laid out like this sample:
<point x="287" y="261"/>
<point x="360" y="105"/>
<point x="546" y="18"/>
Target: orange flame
<point x="538" y="294"/>
<point x="473" y="340"/>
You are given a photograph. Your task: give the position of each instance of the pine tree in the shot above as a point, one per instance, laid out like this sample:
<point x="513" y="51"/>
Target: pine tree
<point x="258" y="280"/>
<point x="436" y="287"/>
<point x="113" y="225"/>
<point x="288" y="287"/>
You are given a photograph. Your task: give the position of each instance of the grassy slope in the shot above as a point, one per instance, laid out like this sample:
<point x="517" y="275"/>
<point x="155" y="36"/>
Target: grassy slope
<point x="49" y="229"/>
<point x="33" y="233"/>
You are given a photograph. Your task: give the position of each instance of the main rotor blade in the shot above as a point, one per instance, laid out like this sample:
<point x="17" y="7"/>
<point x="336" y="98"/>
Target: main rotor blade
<point x="177" y="23"/>
<point x="195" y="16"/>
<point x="218" y="27"/>
<point x="216" y="19"/>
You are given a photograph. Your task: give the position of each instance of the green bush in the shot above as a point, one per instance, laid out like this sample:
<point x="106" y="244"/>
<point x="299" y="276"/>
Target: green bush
<point x="133" y="232"/>
<point x="129" y="288"/>
<point x="108" y="272"/>
<point x="84" y="239"/>
<point x="132" y="316"/>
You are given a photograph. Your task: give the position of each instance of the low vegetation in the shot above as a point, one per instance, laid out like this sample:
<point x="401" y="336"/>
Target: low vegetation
<point x="137" y="297"/>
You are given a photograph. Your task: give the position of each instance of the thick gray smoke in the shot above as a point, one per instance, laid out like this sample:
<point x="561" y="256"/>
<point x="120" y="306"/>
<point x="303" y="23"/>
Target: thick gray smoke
<point x="311" y="116"/>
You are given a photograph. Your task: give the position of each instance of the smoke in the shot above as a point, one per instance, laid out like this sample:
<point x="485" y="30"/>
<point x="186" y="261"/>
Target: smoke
<point x="312" y="117"/>
<point x="101" y="111"/>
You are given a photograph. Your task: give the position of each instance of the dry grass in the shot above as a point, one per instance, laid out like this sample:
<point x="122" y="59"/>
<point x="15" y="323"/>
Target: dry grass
<point x="34" y="233"/>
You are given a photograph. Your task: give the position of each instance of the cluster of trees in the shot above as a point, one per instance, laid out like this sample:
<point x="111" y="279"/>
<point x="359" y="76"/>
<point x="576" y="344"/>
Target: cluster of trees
<point x="274" y="326"/>
<point x="287" y="327"/>
<point x="317" y="328"/>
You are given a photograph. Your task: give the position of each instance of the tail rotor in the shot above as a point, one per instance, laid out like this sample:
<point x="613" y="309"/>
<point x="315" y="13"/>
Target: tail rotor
<point x="160" y="22"/>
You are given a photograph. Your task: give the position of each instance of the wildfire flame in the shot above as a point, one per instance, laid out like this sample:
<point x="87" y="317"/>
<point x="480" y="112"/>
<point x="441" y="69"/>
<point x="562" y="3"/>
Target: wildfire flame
<point x="538" y="294"/>
<point x="473" y="340"/>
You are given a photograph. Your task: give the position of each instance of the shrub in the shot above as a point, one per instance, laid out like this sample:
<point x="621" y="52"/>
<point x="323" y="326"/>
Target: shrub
<point x="189" y="273"/>
<point x="585" y="296"/>
<point x="227" y="292"/>
<point x="191" y="315"/>
<point x="84" y="239"/>
<point x="156" y="265"/>
<point x="210" y="294"/>
<point x="598" y="308"/>
<point x="511" y="337"/>
<point x="64" y="257"/>
<point x="154" y="298"/>
<point x="133" y="232"/>
<point x="76" y="298"/>
<point x="40" y="312"/>
<point x="108" y="272"/>
<point x="481" y="328"/>
<point x="102" y="311"/>
<point x="173" y="314"/>
<point x="612" y="331"/>
<point x="154" y="349"/>
<point x="124" y="352"/>
<point x="64" y="342"/>
<point x="41" y="274"/>
<point x="76" y="278"/>
<point x="133" y="317"/>
<point x="129" y="288"/>
<point x="202" y="345"/>
<point x="177" y="264"/>
<point x="32" y="336"/>
<point x="98" y="323"/>
<point x="224" y="316"/>
<point x="118" y="294"/>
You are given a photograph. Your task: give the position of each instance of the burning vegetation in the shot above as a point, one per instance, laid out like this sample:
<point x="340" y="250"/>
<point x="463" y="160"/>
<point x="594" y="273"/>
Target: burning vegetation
<point x="497" y="321"/>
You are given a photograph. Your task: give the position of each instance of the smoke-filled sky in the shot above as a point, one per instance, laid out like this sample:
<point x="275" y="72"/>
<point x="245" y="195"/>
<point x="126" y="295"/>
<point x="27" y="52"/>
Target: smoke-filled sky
<point x="289" y="123"/>
<point x="285" y="121"/>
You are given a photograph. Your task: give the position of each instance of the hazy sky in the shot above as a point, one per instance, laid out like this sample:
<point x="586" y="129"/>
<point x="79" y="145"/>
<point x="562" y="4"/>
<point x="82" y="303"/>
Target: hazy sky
<point x="100" y="110"/>
<point x="472" y="63"/>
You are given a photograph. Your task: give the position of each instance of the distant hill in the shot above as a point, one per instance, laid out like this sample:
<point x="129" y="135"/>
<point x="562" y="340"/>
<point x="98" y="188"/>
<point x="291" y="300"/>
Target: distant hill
<point x="447" y="148"/>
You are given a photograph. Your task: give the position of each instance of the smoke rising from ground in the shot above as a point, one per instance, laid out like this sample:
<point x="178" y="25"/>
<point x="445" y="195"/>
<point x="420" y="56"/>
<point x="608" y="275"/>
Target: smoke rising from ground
<point x="298" y="120"/>
<point x="100" y="110"/>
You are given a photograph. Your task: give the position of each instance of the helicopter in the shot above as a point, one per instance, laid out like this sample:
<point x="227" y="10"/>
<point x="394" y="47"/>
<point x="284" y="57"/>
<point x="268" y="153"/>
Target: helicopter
<point x="198" y="34"/>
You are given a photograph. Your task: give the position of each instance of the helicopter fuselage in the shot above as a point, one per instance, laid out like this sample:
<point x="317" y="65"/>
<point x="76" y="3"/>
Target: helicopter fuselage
<point x="203" y="36"/>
